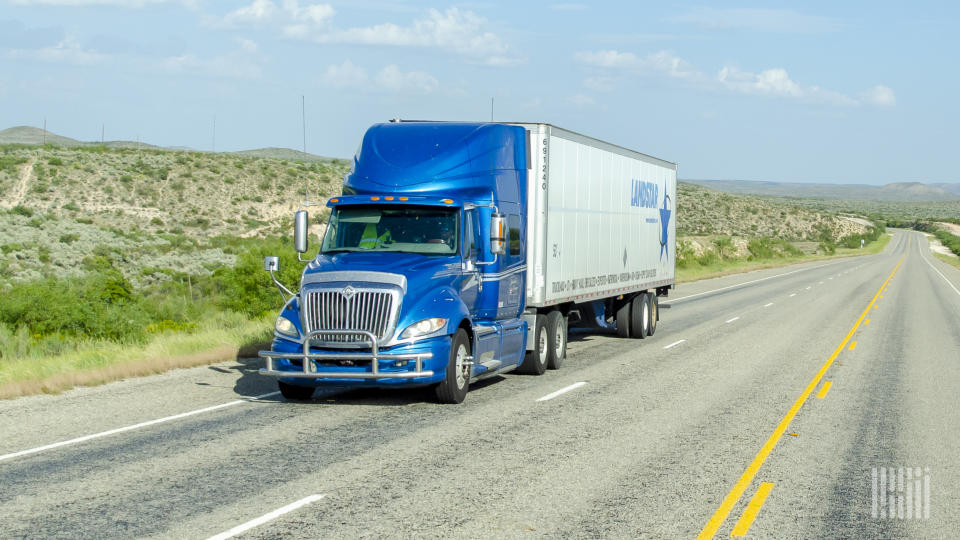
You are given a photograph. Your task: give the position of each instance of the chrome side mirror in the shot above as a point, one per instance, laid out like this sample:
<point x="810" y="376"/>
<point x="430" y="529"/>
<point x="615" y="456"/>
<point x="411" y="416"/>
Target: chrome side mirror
<point x="271" y="264"/>
<point x="498" y="240"/>
<point x="300" y="226"/>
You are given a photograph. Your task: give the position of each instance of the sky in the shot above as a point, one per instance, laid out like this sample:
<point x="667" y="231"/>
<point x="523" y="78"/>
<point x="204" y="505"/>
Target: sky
<point x="836" y="92"/>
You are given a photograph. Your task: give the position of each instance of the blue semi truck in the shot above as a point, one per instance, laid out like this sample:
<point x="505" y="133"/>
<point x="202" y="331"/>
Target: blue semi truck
<point x="459" y="251"/>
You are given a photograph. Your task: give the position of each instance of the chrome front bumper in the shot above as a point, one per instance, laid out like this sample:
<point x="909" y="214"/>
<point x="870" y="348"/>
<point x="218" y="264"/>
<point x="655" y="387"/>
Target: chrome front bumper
<point x="374" y="357"/>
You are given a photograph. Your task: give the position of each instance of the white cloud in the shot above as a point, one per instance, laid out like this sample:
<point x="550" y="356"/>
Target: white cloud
<point x="879" y="95"/>
<point x="569" y="7"/>
<point x="775" y="82"/>
<point x="345" y="75"/>
<point x="116" y="3"/>
<point x="662" y="62"/>
<point x="248" y="45"/>
<point x="67" y="51"/>
<point x="581" y="100"/>
<point x="234" y="65"/>
<point x="392" y="79"/>
<point x="762" y="20"/>
<point x="259" y="11"/>
<point x="600" y="84"/>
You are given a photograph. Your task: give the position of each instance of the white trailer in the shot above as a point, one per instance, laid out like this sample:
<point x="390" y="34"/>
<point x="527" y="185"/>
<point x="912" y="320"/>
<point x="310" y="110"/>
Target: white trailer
<point x="601" y="225"/>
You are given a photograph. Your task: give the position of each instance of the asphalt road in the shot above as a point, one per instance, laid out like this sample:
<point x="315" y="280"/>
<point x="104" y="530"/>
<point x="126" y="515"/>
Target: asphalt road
<point x="675" y="436"/>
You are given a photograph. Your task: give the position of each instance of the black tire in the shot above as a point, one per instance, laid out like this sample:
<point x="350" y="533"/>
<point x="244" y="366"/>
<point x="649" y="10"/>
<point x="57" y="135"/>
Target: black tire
<point x="535" y="362"/>
<point x="557" y="338"/>
<point x="454" y="387"/>
<point x="293" y="392"/>
<point x="639" y="316"/>
<point x="623" y="320"/>
<point x="654" y="313"/>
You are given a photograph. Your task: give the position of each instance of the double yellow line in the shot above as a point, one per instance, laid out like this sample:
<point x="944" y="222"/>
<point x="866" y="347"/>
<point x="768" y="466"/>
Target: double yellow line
<point x="710" y="529"/>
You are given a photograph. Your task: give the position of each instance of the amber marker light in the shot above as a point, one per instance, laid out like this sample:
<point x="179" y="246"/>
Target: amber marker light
<point x="448" y="201"/>
<point x="404" y="198"/>
<point x="388" y="198"/>
<point x="374" y="198"/>
<point x="334" y="200"/>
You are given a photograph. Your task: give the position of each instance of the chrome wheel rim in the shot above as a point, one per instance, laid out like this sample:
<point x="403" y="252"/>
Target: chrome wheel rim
<point x="558" y="340"/>
<point x="461" y="366"/>
<point x="542" y="347"/>
<point x="646" y="317"/>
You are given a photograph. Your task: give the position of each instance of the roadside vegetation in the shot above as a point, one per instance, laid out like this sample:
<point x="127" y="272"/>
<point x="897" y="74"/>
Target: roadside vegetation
<point x="117" y="262"/>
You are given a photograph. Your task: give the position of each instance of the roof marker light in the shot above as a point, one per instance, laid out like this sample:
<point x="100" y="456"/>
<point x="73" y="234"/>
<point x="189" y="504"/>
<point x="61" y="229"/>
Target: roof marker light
<point x="374" y="198"/>
<point x="404" y="198"/>
<point x="448" y="201"/>
<point x="388" y="198"/>
<point x="334" y="200"/>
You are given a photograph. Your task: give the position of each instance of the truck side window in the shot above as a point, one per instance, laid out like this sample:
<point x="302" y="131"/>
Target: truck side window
<point x="513" y="222"/>
<point x="469" y="236"/>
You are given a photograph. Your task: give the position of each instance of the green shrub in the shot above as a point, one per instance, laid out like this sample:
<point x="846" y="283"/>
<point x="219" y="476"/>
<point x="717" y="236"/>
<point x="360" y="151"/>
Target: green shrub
<point x="69" y="238"/>
<point x="21" y="210"/>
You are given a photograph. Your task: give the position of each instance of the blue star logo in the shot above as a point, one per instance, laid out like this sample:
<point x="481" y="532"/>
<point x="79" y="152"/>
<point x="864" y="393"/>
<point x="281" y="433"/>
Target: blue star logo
<point x="664" y="225"/>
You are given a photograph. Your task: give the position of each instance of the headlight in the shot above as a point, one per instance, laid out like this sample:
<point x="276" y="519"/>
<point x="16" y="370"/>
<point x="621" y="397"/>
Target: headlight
<point x="285" y="327"/>
<point x="424" y="327"/>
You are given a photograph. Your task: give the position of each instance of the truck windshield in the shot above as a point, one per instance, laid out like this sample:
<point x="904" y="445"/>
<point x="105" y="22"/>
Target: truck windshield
<point x="413" y="229"/>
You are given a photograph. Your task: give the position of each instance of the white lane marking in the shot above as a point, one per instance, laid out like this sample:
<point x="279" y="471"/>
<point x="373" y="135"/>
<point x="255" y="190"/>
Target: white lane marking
<point x="731" y="320"/>
<point x="830" y="278"/>
<point x="768" y="305"/>
<point x="749" y="282"/>
<point x="821" y="283"/>
<point x="131" y="428"/>
<point x="562" y="391"/>
<point x="792" y="295"/>
<point x="937" y="271"/>
<point x="266" y="517"/>
<point x="674" y="344"/>
<point x="808" y="288"/>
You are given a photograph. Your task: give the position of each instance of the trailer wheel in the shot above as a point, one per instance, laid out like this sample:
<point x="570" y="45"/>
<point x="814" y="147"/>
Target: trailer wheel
<point x="454" y="387"/>
<point x="293" y="392"/>
<point x="623" y="320"/>
<point x="557" y="332"/>
<point x="535" y="362"/>
<point x="639" y="316"/>
<point x="654" y="313"/>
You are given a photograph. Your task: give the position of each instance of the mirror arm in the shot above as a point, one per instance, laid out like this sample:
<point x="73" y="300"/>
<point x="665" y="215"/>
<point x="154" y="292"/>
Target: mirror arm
<point x="285" y="293"/>
<point x="494" y="261"/>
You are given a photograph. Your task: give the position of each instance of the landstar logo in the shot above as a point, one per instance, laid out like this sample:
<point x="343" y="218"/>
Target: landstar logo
<point x="664" y="225"/>
<point x="644" y="194"/>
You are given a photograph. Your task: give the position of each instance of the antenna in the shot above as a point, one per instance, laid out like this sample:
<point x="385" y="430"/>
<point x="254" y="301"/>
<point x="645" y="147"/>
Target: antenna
<point x="214" y="150"/>
<point x="102" y="128"/>
<point x="303" y="120"/>
<point x="491" y="108"/>
<point x="44" y="130"/>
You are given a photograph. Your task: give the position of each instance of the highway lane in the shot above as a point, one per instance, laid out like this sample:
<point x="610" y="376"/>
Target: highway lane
<point x="649" y="444"/>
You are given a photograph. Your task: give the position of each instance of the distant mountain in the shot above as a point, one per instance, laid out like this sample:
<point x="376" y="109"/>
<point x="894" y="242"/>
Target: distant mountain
<point x="35" y="136"/>
<point x="281" y="153"/>
<point x="898" y="191"/>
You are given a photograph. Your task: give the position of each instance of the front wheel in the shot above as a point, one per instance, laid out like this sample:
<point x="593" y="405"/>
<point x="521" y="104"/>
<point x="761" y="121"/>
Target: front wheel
<point x="454" y="387"/>
<point x="293" y="392"/>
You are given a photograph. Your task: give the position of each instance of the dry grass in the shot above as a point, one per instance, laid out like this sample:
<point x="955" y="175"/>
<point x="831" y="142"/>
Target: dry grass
<point x="740" y="266"/>
<point x="103" y="362"/>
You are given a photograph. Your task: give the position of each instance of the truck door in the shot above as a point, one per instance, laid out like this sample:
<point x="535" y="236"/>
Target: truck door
<point x="471" y="283"/>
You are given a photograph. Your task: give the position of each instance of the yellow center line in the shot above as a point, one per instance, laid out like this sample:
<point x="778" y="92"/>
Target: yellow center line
<point x="750" y="514"/>
<point x="824" y="389"/>
<point x="866" y="321"/>
<point x="740" y="487"/>
<point x="853" y="345"/>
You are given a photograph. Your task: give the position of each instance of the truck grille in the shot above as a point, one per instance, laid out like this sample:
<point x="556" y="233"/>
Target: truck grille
<point x="349" y="309"/>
